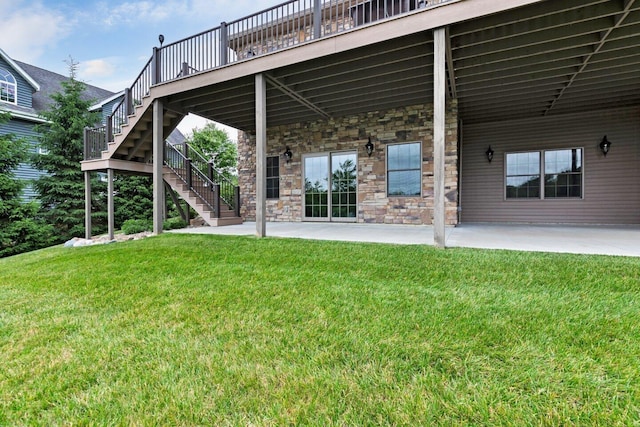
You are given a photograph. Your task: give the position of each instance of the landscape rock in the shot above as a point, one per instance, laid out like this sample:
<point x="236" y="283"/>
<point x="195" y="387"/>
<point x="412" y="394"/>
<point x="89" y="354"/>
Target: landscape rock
<point x="197" y="222"/>
<point x="78" y="242"/>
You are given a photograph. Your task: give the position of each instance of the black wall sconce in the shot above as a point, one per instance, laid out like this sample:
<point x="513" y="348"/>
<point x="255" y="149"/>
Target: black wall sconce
<point x="489" y="154"/>
<point x="369" y="147"/>
<point x="605" y="145"/>
<point x="288" y="154"/>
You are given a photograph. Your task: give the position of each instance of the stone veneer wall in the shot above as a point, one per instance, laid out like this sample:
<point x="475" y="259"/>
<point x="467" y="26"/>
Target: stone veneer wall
<point x="408" y="124"/>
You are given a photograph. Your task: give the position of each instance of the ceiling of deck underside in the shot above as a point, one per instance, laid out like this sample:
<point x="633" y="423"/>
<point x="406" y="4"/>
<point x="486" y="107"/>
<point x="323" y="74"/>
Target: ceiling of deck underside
<point x="548" y="58"/>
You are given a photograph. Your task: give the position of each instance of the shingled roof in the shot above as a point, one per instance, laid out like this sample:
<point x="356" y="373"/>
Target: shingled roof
<point x="50" y="83"/>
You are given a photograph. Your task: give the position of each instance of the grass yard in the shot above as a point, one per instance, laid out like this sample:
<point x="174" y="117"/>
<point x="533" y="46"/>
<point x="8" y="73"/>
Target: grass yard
<point x="215" y="330"/>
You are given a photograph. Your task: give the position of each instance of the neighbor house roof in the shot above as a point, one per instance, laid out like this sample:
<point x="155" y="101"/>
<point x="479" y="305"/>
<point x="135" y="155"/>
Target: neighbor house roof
<point x="19" y="70"/>
<point x="51" y="83"/>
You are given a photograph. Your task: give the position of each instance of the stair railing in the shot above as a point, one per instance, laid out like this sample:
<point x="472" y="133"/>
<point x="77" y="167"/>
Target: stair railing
<point x="228" y="188"/>
<point x="211" y="186"/>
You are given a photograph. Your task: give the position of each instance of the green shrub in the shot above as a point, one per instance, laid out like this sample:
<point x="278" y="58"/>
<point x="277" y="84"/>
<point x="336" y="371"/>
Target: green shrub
<point x="174" y="223"/>
<point x="132" y="226"/>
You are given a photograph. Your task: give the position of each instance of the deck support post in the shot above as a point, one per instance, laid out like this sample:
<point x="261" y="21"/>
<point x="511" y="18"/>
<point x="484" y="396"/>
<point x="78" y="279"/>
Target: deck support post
<point x="261" y="159"/>
<point x="158" y="157"/>
<point x="439" y="113"/>
<point x="87" y="204"/>
<point x="110" y="205"/>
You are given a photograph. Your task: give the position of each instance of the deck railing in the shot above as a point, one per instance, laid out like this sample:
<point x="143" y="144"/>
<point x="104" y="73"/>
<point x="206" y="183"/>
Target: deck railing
<point x="202" y="178"/>
<point x="95" y="142"/>
<point x="281" y="26"/>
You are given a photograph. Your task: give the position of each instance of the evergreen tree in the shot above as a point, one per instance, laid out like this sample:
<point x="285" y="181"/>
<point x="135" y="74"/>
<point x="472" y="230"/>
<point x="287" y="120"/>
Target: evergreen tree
<point x="133" y="198"/>
<point x="61" y="191"/>
<point x="20" y="229"/>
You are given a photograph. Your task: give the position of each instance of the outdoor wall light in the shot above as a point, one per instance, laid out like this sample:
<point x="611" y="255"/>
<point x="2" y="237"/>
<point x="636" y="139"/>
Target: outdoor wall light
<point x="288" y="154"/>
<point x="489" y="154"/>
<point x="605" y="145"/>
<point x="161" y="39"/>
<point x="369" y="147"/>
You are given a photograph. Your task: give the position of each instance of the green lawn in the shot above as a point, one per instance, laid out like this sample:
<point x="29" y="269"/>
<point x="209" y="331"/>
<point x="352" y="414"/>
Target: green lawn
<point x="206" y="330"/>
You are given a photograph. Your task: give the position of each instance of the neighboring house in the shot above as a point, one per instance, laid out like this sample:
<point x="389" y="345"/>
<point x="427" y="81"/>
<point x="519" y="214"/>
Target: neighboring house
<point x="390" y="111"/>
<point x="25" y="92"/>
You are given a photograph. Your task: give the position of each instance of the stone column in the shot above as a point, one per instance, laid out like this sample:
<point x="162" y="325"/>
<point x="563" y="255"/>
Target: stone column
<point x="87" y="204"/>
<point x="439" y="114"/>
<point x="158" y="158"/>
<point x="261" y="159"/>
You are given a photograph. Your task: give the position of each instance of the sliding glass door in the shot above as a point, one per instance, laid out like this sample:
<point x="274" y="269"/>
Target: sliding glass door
<point x="330" y="187"/>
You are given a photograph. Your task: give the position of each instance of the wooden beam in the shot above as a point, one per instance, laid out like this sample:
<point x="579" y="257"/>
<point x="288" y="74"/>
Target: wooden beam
<point x="158" y="156"/>
<point x="110" y="205"/>
<point x="87" y="204"/>
<point x="603" y="38"/>
<point x="450" y="67"/>
<point x="261" y="159"/>
<point x="439" y="100"/>
<point x="295" y="96"/>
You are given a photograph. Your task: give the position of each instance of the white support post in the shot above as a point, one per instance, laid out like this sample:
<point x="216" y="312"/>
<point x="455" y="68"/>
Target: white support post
<point x="261" y="148"/>
<point x="110" y="206"/>
<point x="439" y="114"/>
<point x="158" y="158"/>
<point x="87" y="204"/>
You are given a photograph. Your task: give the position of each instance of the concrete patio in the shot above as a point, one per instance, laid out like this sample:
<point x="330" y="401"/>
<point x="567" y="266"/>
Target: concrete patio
<point x="600" y="240"/>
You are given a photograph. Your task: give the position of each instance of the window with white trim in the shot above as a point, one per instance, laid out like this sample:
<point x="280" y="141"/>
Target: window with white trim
<point x="544" y="174"/>
<point x="8" y="87"/>
<point x="404" y="174"/>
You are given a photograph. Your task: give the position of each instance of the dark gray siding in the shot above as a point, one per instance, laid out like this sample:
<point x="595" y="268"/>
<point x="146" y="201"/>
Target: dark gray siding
<point x="25" y="91"/>
<point x="611" y="184"/>
<point x="107" y="109"/>
<point x="24" y="129"/>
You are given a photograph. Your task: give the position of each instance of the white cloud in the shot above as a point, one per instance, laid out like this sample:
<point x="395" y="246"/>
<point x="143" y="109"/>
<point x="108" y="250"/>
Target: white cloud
<point x="32" y="28"/>
<point x="97" y="68"/>
<point x="136" y="12"/>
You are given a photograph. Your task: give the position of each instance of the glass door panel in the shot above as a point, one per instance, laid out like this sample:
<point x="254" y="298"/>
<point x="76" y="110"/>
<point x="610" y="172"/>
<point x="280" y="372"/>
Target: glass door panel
<point x="316" y="187"/>
<point x="330" y="187"/>
<point x="343" y="185"/>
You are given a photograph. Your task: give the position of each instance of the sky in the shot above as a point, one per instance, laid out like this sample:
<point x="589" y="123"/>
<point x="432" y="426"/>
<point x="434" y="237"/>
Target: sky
<point x="110" y="40"/>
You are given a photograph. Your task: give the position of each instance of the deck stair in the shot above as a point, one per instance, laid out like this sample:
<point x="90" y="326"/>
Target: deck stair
<point x="214" y="197"/>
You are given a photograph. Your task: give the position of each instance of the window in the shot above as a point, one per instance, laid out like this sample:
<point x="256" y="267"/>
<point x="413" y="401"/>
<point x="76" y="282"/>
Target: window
<point x="563" y="173"/>
<point x="273" y="177"/>
<point x="523" y="175"/>
<point x="562" y="176"/>
<point x="7" y="87"/>
<point x="403" y="169"/>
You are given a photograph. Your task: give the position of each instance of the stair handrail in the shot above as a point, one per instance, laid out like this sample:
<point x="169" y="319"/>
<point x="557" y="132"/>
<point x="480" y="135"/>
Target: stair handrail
<point x="211" y="186"/>
<point x="228" y="188"/>
<point x="201" y="160"/>
<point x="182" y="166"/>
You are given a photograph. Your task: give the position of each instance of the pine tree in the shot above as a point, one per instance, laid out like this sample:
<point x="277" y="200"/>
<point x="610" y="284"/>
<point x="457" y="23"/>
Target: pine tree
<point x="61" y="190"/>
<point x="133" y="198"/>
<point x="20" y="228"/>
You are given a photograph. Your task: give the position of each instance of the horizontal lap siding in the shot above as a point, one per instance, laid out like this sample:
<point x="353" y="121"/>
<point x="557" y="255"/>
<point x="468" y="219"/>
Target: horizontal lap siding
<point x="611" y="184"/>
<point x="24" y="129"/>
<point x="25" y="91"/>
